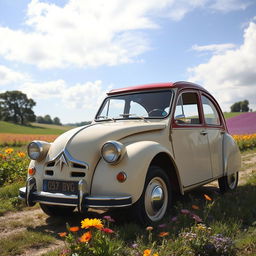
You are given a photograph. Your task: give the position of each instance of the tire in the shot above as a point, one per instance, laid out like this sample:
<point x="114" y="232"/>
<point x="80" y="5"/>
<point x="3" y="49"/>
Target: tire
<point x="228" y="183"/>
<point x="156" y="198"/>
<point x="55" y="210"/>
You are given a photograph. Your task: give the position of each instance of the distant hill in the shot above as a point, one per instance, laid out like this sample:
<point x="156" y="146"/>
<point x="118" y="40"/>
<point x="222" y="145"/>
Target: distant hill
<point x="228" y="115"/>
<point x="34" y="128"/>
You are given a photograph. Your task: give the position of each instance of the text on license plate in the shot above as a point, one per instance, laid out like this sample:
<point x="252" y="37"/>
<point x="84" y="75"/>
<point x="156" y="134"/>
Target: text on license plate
<point x="69" y="187"/>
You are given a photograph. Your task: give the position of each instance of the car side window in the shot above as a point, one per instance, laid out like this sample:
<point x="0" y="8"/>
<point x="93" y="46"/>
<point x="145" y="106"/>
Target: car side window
<point x="211" y="115"/>
<point x="187" y="109"/>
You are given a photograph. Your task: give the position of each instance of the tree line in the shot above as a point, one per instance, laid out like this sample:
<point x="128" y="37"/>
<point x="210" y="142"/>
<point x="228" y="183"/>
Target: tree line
<point x="16" y="107"/>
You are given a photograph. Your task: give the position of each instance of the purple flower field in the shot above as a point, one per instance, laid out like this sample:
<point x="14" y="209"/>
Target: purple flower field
<point x="242" y="124"/>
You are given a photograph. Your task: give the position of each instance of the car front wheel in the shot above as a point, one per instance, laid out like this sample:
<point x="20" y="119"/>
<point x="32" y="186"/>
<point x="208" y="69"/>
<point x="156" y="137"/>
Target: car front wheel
<point x="155" y="199"/>
<point x="228" y="183"/>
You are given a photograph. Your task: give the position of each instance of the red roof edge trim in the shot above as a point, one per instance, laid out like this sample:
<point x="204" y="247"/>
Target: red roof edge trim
<point x="141" y="88"/>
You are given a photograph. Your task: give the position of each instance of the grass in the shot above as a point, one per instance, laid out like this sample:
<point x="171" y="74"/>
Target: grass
<point x="8" y="198"/>
<point x="6" y="127"/>
<point x="20" y="242"/>
<point x="231" y="114"/>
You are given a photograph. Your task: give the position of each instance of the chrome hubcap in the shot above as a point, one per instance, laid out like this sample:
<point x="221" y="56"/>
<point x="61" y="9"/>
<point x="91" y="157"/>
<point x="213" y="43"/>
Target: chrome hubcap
<point x="232" y="179"/>
<point x="156" y="199"/>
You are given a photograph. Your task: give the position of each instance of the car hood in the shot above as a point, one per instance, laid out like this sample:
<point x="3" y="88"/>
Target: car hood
<point x="84" y="143"/>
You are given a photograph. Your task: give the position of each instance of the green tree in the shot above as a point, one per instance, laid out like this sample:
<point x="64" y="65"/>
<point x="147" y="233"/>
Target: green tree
<point x="16" y="107"/>
<point x="56" y="121"/>
<point x="240" y="106"/>
<point x="47" y="119"/>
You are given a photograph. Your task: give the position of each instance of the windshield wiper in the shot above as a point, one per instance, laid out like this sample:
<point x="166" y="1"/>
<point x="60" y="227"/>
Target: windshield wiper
<point x="106" y="118"/>
<point x="135" y="115"/>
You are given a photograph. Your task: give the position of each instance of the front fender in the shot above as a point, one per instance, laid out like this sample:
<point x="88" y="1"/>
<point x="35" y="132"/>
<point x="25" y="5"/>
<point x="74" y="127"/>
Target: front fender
<point x="135" y="164"/>
<point x="232" y="157"/>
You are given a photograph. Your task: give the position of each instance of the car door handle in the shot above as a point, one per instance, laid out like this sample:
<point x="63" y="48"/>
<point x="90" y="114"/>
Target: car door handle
<point x="203" y="133"/>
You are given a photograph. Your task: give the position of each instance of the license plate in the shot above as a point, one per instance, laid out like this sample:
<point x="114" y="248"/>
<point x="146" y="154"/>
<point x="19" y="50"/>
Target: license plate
<point x="59" y="186"/>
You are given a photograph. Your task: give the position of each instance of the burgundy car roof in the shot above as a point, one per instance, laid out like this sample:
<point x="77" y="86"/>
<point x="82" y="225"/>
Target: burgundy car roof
<point x="156" y="86"/>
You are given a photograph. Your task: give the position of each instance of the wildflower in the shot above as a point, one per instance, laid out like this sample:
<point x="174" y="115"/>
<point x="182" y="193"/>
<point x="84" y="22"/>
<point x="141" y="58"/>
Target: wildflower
<point x="21" y="154"/>
<point x="108" y="230"/>
<point x="163" y="234"/>
<point x="134" y="246"/>
<point x="207" y="197"/>
<point x="174" y="218"/>
<point x="147" y="252"/>
<point x="8" y="151"/>
<point x="155" y="254"/>
<point x="88" y="223"/>
<point x="201" y="227"/>
<point x="185" y="211"/>
<point x="162" y="225"/>
<point x="196" y="218"/>
<point x="149" y="228"/>
<point x="86" y="237"/>
<point x="195" y="207"/>
<point x="108" y="218"/>
<point x="74" y="229"/>
<point x="62" y="234"/>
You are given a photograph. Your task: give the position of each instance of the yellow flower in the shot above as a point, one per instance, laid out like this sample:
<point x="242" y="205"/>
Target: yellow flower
<point x="86" y="237"/>
<point x="147" y="252"/>
<point x="155" y="254"/>
<point x="9" y="150"/>
<point x="94" y="223"/>
<point x="21" y="154"/>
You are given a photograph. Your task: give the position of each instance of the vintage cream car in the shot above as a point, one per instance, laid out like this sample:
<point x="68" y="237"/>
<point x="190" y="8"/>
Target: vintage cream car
<point x="146" y="144"/>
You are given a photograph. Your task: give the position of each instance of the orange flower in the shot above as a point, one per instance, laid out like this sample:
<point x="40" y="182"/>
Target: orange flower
<point x="86" y="237"/>
<point x="147" y="252"/>
<point x="88" y="223"/>
<point x="74" y="229"/>
<point x="195" y="207"/>
<point x="9" y="151"/>
<point x="207" y="197"/>
<point x="62" y="234"/>
<point x="163" y="234"/>
<point x="21" y="154"/>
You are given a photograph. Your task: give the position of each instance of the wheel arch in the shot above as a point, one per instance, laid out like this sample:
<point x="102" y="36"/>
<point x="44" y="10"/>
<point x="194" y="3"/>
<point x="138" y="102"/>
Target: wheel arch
<point x="166" y="162"/>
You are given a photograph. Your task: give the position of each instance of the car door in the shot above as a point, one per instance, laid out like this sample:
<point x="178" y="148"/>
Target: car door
<point x="215" y="129"/>
<point x="190" y="141"/>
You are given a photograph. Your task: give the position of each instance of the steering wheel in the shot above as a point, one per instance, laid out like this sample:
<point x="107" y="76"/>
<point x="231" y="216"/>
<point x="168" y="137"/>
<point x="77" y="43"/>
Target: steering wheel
<point x="157" y="110"/>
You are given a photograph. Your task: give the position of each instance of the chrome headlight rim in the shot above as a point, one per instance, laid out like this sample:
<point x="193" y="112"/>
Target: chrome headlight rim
<point x="119" y="151"/>
<point x="43" y="148"/>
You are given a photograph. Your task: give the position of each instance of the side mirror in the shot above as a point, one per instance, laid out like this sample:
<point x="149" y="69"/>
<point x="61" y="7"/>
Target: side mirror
<point x="179" y="119"/>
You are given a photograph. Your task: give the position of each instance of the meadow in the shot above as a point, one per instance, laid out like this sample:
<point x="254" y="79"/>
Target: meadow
<point x="202" y="222"/>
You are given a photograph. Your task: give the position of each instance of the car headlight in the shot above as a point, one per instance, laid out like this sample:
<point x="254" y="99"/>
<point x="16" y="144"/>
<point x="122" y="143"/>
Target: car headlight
<point x="37" y="149"/>
<point x="112" y="151"/>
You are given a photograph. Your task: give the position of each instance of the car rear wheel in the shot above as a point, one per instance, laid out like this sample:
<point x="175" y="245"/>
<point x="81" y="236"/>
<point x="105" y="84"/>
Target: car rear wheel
<point x="228" y="183"/>
<point x="155" y="199"/>
<point x="54" y="211"/>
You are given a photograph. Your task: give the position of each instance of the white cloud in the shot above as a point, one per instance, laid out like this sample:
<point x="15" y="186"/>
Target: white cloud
<point x="8" y="76"/>
<point x="78" y="96"/>
<point x="230" y="5"/>
<point x="91" y="32"/>
<point x="231" y="76"/>
<point x="215" y="48"/>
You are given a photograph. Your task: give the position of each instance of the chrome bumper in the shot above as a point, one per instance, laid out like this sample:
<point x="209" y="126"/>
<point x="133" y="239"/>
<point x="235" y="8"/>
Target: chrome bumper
<point x="31" y="196"/>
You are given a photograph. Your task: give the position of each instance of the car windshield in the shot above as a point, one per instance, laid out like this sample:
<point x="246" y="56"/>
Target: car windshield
<point x="136" y="105"/>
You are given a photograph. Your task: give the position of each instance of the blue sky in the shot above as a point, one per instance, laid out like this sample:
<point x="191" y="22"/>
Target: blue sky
<point x="67" y="54"/>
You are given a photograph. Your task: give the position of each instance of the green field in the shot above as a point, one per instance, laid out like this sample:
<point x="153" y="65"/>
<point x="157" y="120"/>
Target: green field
<point x="34" y="128"/>
<point x="231" y="114"/>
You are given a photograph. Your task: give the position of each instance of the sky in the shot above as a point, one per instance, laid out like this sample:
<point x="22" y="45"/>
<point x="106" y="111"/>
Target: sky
<point x="66" y="54"/>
